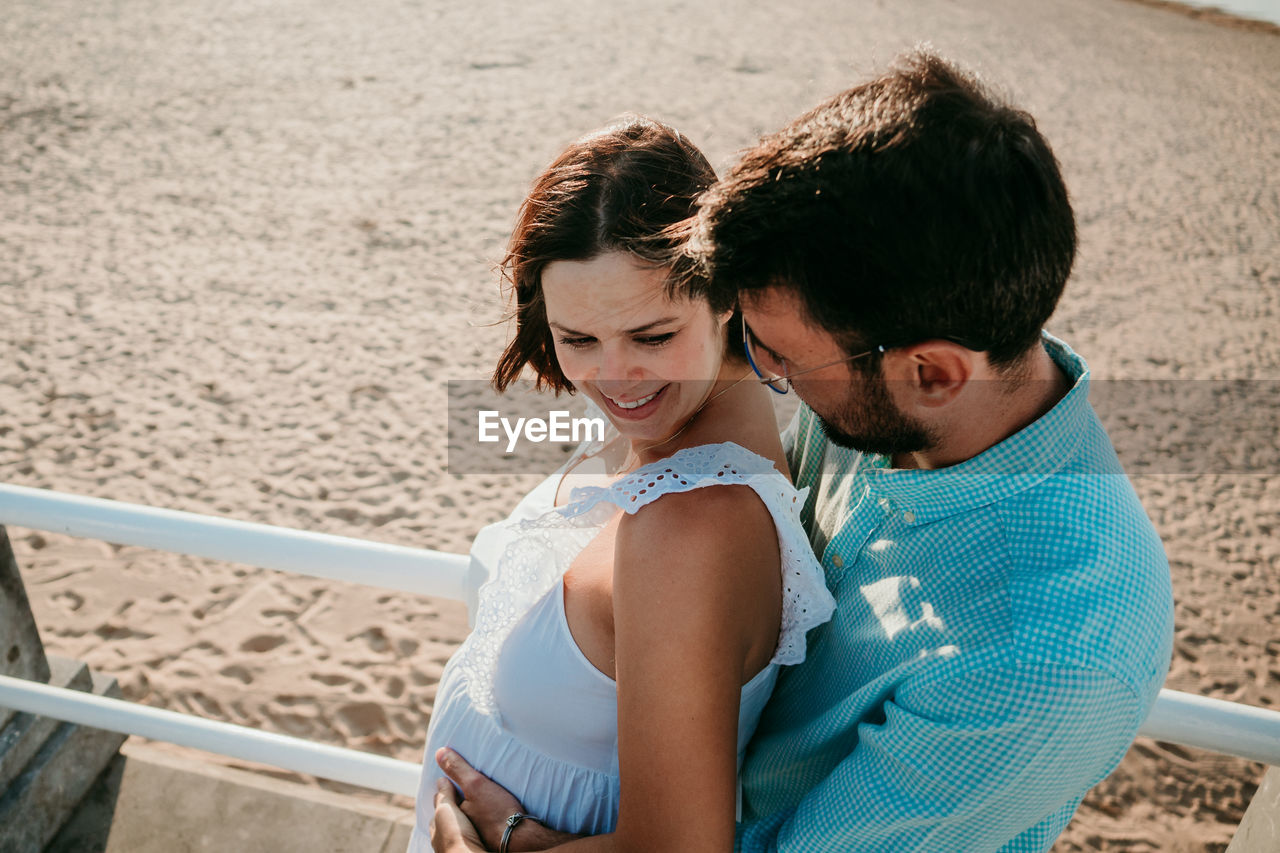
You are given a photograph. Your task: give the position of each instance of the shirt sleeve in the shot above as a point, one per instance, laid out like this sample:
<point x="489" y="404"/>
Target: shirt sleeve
<point x="967" y="762"/>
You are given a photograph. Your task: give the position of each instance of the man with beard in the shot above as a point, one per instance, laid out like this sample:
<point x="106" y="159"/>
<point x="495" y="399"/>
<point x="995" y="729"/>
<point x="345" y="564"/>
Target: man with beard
<point x="1004" y="617"/>
<point x="1004" y="611"/>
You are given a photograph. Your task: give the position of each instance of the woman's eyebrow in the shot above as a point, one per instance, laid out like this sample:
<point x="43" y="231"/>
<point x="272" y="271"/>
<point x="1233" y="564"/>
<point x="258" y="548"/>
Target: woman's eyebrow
<point x="636" y="331"/>
<point x="647" y="326"/>
<point x="553" y="324"/>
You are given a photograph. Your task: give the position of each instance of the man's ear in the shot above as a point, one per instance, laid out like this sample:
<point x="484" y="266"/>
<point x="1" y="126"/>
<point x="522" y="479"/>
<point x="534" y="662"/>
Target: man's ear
<point x="932" y="373"/>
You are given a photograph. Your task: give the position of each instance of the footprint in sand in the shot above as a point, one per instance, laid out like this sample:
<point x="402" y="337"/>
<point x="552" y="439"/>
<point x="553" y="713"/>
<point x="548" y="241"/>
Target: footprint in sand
<point x="360" y="719"/>
<point x="203" y="705"/>
<point x="297" y="725"/>
<point x="108" y="631"/>
<point x="375" y="637"/>
<point x="330" y="680"/>
<point x="238" y="672"/>
<point x="262" y="643"/>
<point x="295" y="715"/>
<point x="70" y="600"/>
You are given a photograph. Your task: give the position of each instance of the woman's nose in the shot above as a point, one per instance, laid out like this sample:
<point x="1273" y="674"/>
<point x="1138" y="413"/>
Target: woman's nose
<point x="617" y="369"/>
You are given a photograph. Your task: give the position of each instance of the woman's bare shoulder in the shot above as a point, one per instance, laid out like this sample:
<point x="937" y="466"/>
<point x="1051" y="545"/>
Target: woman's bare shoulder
<point x="703" y="565"/>
<point x="711" y="534"/>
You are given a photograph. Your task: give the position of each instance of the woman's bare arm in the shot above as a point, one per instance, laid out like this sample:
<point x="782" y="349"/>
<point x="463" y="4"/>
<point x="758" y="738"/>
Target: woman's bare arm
<point x="696" y="579"/>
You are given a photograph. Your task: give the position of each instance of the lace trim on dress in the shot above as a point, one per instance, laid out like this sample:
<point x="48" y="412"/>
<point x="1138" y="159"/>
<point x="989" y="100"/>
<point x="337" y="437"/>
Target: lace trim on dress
<point x="546" y="546"/>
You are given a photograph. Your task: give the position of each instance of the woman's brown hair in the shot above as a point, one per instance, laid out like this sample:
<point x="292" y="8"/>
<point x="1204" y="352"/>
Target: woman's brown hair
<point x="629" y="187"/>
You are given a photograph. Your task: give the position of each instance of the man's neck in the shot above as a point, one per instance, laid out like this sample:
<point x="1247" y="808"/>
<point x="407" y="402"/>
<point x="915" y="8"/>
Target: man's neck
<point x="998" y="408"/>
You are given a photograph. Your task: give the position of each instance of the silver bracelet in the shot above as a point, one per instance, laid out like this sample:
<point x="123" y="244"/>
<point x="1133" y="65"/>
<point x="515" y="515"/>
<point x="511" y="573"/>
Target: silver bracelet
<point x="512" y="823"/>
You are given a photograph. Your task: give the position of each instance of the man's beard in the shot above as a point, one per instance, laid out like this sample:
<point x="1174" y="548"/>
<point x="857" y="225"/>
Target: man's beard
<point x="871" y="422"/>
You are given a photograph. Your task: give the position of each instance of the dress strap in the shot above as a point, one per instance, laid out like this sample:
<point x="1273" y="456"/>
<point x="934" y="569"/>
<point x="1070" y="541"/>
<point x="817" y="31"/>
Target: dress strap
<point x="685" y="470"/>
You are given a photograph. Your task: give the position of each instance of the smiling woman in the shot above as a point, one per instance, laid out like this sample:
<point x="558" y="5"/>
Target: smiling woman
<point x="625" y="191"/>
<point x="632" y="629"/>
<point x="649" y="361"/>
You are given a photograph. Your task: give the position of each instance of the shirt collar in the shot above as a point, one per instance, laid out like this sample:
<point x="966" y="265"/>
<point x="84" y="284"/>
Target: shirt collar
<point x="1015" y="464"/>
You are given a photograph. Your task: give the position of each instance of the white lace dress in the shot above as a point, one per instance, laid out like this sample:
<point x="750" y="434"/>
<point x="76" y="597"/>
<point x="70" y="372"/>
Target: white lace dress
<point x="521" y="702"/>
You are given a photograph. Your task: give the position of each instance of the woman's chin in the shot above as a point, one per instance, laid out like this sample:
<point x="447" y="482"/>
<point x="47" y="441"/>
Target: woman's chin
<point x="653" y="432"/>
<point x="642" y="435"/>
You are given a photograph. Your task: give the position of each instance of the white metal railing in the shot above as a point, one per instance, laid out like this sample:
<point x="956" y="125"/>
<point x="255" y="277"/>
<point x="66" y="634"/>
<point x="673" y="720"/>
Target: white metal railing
<point x="1232" y="728"/>
<point x="320" y="555"/>
<point x="1184" y="718"/>
<point x="352" y="766"/>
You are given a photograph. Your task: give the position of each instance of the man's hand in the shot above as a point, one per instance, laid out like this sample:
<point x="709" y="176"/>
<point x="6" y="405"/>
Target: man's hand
<point x="486" y="803"/>
<point x="485" y="807"/>
<point x="451" y="832"/>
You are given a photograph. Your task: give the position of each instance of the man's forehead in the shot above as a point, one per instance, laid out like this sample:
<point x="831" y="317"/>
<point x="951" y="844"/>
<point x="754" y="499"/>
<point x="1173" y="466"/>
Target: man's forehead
<point x="777" y="311"/>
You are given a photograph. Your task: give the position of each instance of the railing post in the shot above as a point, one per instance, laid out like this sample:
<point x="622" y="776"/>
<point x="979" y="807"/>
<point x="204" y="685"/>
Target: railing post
<point x="1259" y="832"/>
<point x="46" y="766"/>
<point x="21" y="652"/>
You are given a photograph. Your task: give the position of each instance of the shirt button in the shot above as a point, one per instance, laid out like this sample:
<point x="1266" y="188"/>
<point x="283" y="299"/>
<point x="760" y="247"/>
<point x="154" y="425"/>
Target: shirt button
<point x="909" y="517"/>
<point x="837" y="561"/>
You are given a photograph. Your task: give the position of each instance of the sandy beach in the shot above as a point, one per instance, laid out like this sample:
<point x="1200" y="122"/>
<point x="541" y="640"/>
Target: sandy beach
<point x="243" y="246"/>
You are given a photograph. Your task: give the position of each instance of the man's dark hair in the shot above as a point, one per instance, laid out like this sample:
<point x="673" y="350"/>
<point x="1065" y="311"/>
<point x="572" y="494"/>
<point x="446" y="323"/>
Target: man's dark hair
<point x="630" y="187"/>
<point x="913" y="207"/>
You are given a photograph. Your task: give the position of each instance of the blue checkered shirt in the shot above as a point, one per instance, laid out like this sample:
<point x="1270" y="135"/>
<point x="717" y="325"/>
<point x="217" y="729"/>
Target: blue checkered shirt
<point x="1003" y="627"/>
